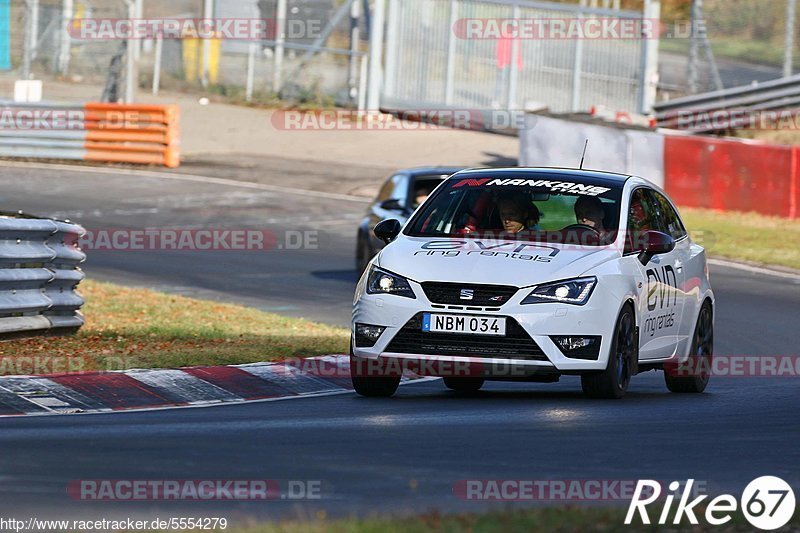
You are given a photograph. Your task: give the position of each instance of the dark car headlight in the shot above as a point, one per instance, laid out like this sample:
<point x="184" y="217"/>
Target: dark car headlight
<point x="572" y="291"/>
<point x="384" y="282"/>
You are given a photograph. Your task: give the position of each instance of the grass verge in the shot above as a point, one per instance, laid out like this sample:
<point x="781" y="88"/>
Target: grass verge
<point x="748" y="237"/>
<point x="555" y="519"/>
<point x="140" y="328"/>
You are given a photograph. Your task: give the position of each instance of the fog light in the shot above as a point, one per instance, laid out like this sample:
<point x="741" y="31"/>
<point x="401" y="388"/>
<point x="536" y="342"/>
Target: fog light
<point x="575" y="347"/>
<point x="367" y="335"/>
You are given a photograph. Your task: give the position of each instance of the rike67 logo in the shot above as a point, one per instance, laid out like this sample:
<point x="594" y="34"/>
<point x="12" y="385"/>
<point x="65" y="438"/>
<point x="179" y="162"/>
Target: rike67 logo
<point x="768" y="503"/>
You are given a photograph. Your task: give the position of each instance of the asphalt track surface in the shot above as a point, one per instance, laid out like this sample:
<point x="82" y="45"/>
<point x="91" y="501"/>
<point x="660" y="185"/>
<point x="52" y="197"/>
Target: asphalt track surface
<point x="401" y="455"/>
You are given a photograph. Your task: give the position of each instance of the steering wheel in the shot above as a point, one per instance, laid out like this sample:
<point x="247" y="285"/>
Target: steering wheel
<point x="581" y="227"/>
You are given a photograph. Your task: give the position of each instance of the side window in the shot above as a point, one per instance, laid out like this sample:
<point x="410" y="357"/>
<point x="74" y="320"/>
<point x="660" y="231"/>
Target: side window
<point x="392" y="189"/>
<point x="671" y="222"/>
<point x="642" y="216"/>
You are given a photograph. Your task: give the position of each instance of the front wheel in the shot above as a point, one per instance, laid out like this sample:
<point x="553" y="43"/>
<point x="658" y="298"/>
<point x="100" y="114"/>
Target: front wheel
<point x="464" y="384"/>
<point x="612" y="383"/>
<point x="371" y="386"/>
<point x="698" y="367"/>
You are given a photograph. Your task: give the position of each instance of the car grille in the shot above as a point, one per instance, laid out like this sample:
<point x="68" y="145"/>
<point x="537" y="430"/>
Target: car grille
<point x="482" y="295"/>
<point x="516" y="344"/>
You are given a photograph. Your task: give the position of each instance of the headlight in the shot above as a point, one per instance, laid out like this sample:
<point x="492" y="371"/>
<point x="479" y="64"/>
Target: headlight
<point x="571" y="291"/>
<point x="384" y="282"/>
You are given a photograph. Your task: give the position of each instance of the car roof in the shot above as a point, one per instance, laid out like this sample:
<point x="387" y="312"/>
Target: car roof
<point x="429" y="171"/>
<point x="595" y="177"/>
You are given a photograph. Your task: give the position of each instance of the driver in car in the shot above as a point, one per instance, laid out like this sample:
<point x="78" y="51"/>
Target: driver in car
<point x="589" y="212"/>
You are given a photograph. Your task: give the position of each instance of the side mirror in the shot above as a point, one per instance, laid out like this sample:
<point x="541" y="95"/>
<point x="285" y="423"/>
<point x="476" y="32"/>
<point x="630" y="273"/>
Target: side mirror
<point x="654" y="243"/>
<point x="387" y="230"/>
<point x="392" y="204"/>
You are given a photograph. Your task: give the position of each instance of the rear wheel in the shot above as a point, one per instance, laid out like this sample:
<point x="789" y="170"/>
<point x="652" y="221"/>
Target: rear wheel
<point x="612" y="383"/>
<point x="699" y="364"/>
<point x="464" y="384"/>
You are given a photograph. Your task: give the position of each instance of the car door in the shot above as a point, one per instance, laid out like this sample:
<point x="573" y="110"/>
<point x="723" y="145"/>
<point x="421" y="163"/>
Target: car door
<point x="685" y="264"/>
<point x="659" y="302"/>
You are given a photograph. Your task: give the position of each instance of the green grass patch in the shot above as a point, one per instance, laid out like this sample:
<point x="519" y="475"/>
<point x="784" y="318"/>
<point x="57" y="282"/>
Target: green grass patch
<point x="748" y="237"/>
<point x="140" y="328"/>
<point x="736" y="49"/>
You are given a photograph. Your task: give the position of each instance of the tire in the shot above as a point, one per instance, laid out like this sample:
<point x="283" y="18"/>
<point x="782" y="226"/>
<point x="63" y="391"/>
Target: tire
<point x="700" y="358"/>
<point x="372" y="386"/>
<point x="464" y="384"/>
<point x="612" y="383"/>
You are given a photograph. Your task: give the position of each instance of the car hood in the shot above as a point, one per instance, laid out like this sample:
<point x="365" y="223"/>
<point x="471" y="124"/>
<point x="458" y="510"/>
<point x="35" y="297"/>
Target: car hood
<point x="495" y="262"/>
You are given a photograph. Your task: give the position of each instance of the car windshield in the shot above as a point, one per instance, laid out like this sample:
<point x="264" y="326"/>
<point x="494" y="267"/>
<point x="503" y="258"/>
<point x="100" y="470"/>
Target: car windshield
<point x="563" y="209"/>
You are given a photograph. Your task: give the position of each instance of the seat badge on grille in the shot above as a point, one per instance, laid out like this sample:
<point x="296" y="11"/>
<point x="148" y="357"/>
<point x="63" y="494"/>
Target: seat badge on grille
<point x="467" y="294"/>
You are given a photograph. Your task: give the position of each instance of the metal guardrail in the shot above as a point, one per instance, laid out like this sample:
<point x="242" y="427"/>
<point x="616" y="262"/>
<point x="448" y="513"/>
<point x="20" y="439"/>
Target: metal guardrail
<point x="122" y="133"/>
<point x="39" y="274"/>
<point x="694" y="111"/>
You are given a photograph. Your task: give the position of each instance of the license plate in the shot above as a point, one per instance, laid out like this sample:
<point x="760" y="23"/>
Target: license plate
<point x="471" y="325"/>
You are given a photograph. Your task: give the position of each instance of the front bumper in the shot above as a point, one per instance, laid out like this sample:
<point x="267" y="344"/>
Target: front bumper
<point x="538" y="321"/>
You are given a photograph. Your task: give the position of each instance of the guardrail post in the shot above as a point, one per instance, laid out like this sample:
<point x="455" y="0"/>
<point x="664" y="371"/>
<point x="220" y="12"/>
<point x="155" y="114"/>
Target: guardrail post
<point x="208" y="13"/>
<point x="157" y="63"/>
<point x="648" y="89"/>
<point x="577" y="66"/>
<point x="352" y="61"/>
<point x="251" y="71"/>
<point x="392" y="33"/>
<point x="280" y="39"/>
<point x="66" y="41"/>
<point x="513" y="72"/>
<point x="788" y="52"/>
<point x="376" y="56"/>
<point x="449" y="89"/>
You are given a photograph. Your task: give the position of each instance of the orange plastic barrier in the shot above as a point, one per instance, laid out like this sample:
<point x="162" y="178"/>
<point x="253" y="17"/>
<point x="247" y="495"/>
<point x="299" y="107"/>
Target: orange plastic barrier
<point x="132" y="133"/>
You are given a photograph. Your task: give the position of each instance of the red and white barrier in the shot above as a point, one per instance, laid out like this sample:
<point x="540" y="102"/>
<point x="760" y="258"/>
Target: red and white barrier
<point x="724" y="174"/>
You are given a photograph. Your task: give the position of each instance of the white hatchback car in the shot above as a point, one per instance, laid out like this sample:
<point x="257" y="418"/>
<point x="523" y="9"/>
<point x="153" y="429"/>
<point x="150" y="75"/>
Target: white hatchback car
<point x="532" y="273"/>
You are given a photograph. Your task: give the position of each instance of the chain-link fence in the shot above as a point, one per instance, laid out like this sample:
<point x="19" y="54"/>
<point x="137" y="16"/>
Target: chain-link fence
<point x="41" y="42"/>
<point x="433" y="60"/>
<point x="320" y="46"/>
<point x="321" y="58"/>
<point x="736" y="42"/>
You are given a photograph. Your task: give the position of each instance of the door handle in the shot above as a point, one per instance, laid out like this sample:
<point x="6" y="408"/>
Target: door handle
<point x="678" y="265"/>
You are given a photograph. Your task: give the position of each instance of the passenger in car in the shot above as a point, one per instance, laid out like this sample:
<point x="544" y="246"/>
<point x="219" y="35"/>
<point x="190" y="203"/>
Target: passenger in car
<point x="518" y="213"/>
